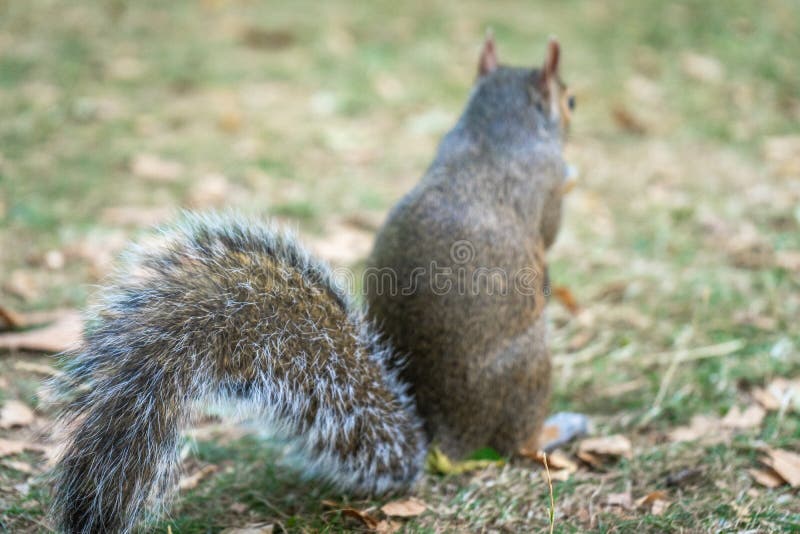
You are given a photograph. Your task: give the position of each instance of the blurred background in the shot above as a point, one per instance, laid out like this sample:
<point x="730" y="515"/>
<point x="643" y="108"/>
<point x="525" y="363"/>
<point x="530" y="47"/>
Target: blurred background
<point x="678" y="263"/>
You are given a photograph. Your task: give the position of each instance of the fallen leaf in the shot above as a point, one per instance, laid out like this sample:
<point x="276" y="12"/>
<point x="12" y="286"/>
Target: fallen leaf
<point x="616" y="445"/>
<point x="10" y="446"/>
<point x="155" y="168"/>
<point x="438" y="462"/>
<point x="781" y="391"/>
<point x="767" y="478"/>
<point x="410" y="507"/>
<point x="22" y="467"/>
<point x="659" y="507"/>
<point x="343" y="245"/>
<point x="651" y="497"/>
<point x="752" y="417"/>
<point x="362" y="515"/>
<point x="788" y="260"/>
<point x="701" y="428"/>
<point x="623" y="500"/>
<point x="627" y="121"/>
<point x="63" y="334"/>
<point x="702" y="68"/>
<point x="238" y="508"/>
<point x="22" y="284"/>
<point x="783" y="154"/>
<point x="191" y="481"/>
<point x="656" y="500"/>
<point x="591" y="459"/>
<point x="556" y="460"/>
<point x="211" y="190"/>
<point x="567" y="299"/>
<point x="230" y="121"/>
<point x="267" y="39"/>
<point x="387" y="526"/>
<point x="11" y="320"/>
<point x="556" y="475"/>
<point x="15" y="413"/>
<point x="785" y="463"/>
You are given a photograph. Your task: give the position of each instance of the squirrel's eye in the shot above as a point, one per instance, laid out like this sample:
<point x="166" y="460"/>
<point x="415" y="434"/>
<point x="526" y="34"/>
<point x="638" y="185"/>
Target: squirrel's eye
<point x="571" y="103"/>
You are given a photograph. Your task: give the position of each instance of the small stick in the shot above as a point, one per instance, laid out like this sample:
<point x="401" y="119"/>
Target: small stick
<point x="552" y="500"/>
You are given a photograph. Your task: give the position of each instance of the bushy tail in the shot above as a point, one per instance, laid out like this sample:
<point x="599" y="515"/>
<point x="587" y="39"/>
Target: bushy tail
<point x="224" y="309"/>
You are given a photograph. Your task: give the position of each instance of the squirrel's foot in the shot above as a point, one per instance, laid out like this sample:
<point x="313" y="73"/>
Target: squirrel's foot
<point x="563" y="427"/>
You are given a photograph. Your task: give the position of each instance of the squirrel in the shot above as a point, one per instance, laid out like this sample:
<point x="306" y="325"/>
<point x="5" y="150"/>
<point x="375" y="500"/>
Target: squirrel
<point x="466" y="250"/>
<point x="222" y="309"/>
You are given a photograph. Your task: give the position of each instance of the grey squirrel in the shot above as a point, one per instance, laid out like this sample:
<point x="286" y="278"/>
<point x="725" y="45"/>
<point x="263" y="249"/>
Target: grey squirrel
<point x="226" y="309"/>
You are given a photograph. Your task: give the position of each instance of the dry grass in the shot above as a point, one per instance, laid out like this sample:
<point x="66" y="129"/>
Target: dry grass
<point x="684" y="232"/>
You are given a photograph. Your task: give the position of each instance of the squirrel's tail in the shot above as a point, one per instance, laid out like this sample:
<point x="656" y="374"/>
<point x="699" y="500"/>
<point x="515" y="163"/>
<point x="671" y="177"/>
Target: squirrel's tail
<point x="224" y="309"/>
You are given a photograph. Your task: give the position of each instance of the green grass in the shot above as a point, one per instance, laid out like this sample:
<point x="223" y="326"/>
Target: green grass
<point x="315" y="119"/>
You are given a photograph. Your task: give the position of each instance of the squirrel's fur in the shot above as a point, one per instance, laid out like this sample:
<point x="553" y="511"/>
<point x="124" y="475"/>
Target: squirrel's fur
<point x="225" y="309"/>
<point x="479" y="222"/>
<point x="221" y="309"/>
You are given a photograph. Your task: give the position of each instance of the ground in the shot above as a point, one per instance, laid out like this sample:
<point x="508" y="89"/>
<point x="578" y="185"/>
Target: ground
<point x="680" y="246"/>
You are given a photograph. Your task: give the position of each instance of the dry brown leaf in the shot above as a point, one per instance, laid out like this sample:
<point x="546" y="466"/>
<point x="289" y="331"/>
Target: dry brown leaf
<point x="705" y="428"/>
<point x="22" y="284"/>
<point x="766" y="477"/>
<point x="702" y="68"/>
<point x="783" y="154"/>
<point x="211" y="190"/>
<point x="659" y="507"/>
<point x="556" y="460"/>
<point x="155" y="168"/>
<point x="616" y="445"/>
<point x="590" y="459"/>
<point x="230" y="120"/>
<point x="781" y="391"/>
<point x="651" y="498"/>
<point x="366" y="519"/>
<point x="61" y="335"/>
<point x="752" y="417"/>
<point x="22" y="467"/>
<point x="362" y="515"/>
<point x="15" y="413"/>
<point x="563" y="295"/>
<point x="238" y="508"/>
<point x="788" y="260"/>
<point x="387" y="526"/>
<point x="410" y="507"/>
<point x="11" y="446"/>
<point x="344" y="245"/>
<point x="267" y="39"/>
<point x="623" y="500"/>
<point x="627" y="121"/>
<point x="191" y="481"/>
<point x="10" y="320"/>
<point x="785" y="463"/>
<point x="560" y="475"/>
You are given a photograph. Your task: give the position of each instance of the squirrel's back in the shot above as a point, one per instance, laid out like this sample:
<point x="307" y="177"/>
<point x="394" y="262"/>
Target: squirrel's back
<point x="224" y="309"/>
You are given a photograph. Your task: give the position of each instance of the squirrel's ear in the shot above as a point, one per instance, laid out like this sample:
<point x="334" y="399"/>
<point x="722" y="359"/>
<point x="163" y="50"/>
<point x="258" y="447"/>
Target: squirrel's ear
<point x="488" y="61"/>
<point x="550" y="67"/>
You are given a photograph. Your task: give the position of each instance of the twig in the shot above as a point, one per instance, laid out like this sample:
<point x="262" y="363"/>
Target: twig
<point x="552" y="499"/>
<point x="699" y="353"/>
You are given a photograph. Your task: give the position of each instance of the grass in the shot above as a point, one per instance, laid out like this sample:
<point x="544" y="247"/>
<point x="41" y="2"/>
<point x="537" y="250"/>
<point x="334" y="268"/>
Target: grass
<point x="315" y="119"/>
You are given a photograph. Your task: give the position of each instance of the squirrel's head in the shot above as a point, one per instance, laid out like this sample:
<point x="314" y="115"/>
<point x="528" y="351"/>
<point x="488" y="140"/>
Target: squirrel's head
<point x="520" y="117"/>
<point x="517" y="95"/>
